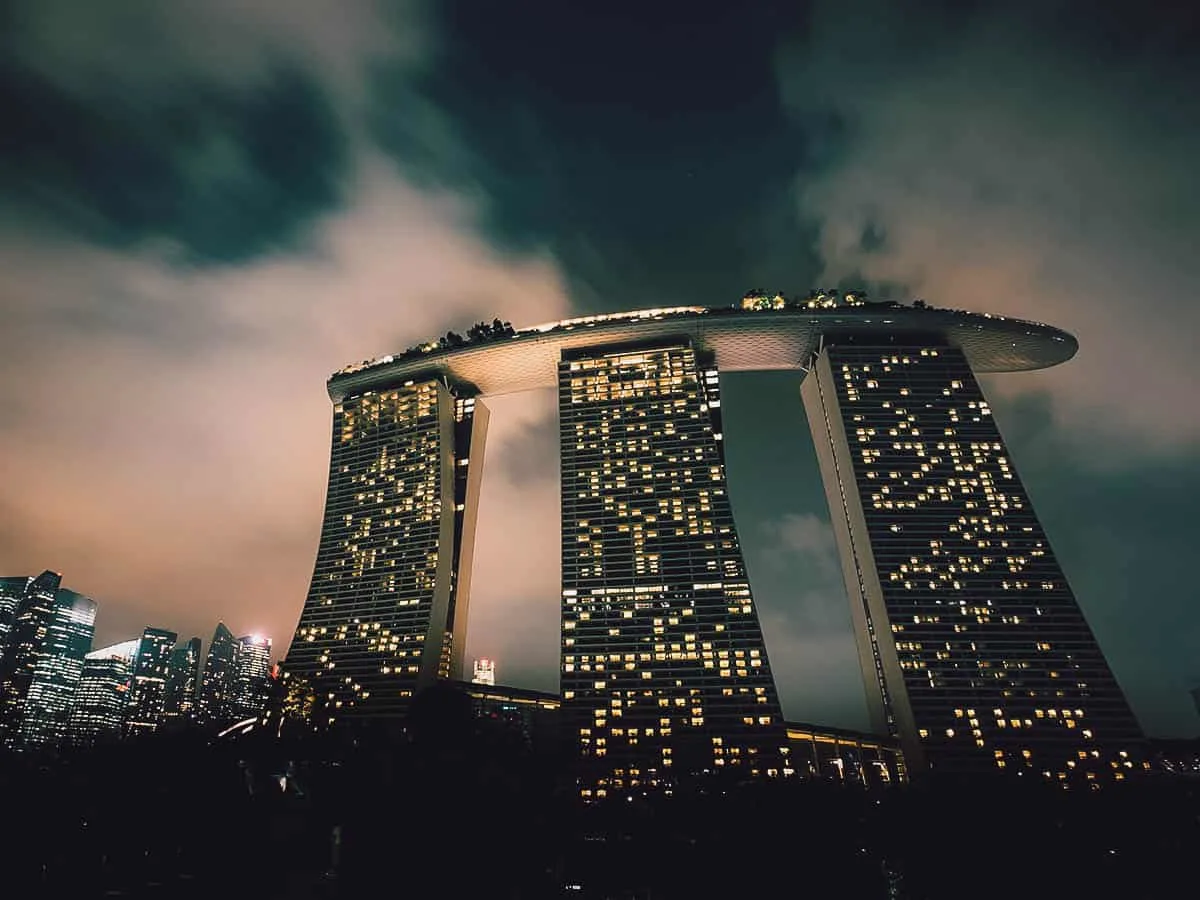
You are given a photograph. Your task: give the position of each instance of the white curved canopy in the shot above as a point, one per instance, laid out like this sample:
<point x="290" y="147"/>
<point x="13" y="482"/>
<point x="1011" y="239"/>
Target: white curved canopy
<point x="742" y="341"/>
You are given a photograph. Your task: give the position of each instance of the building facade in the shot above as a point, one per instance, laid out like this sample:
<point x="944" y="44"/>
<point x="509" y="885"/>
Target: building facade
<point x="664" y="669"/>
<point x="216" y="684"/>
<point x="974" y="649"/>
<point x="25" y="643"/>
<point x="387" y="607"/>
<point x="252" y="668"/>
<point x="179" y="703"/>
<point x="148" y="690"/>
<point x="12" y="592"/>
<point x="102" y="698"/>
<point x="57" y="671"/>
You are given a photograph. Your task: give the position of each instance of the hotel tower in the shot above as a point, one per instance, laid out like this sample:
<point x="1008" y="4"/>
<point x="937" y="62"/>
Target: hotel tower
<point x="663" y="661"/>
<point x="386" y="611"/>
<point x="972" y="646"/>
<point x="974" y="651"/>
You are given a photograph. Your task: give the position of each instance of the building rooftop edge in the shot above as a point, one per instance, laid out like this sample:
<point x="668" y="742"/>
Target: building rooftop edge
<point x="994" y="343"/>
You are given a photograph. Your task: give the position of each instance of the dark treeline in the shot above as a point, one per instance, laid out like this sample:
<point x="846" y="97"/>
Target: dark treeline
<point x="466" y="805"/>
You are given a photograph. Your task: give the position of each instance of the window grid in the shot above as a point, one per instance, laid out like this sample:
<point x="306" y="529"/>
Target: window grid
<point x="998" y="663"/>
<point x="664" y="669"/>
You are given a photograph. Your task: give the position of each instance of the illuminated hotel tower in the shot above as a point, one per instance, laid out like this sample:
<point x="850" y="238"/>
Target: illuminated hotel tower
<point x="386" y="610"/>
<point x="964" y="620"/>
<point x="663" y="664"/>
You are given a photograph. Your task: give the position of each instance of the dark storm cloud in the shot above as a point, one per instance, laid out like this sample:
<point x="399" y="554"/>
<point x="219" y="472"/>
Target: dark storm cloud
<point x="648" y="152"/>
<point x="208" y="132"/>
<point x="144" y="47"/>
<point x="214" y="173"/>
<point x="1034" y="159"/>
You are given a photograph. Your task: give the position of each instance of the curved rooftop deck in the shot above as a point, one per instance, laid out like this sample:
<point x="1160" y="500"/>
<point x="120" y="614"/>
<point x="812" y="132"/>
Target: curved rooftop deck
<point x="743" y="340"/>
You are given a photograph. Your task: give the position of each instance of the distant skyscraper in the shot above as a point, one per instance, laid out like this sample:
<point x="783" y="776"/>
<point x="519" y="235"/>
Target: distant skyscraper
<point x="664" y="670"/>
<point x="978" y="653"/>
<point x="251" y="668"/>
<point x="57" y="671"/>
<point x="1196" y="698"/>
<point x="386" y="611"/>
<point x="485" y="672"/>
<point x="12" y="592"/>
<point x="216" y="684"/>
<point x="151" y="669"/>
<point x="126" y="650"/>
<point x="180" y="701"/>
<point x="26" y="639"/>
<point x="102" y="698"/>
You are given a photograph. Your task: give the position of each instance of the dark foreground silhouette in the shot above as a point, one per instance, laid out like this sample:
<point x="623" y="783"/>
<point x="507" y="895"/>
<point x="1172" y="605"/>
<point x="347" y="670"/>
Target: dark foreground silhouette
<point x="465" y="806"/>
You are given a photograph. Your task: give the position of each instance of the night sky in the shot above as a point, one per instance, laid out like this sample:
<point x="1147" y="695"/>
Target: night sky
<point x="206" y="208"/>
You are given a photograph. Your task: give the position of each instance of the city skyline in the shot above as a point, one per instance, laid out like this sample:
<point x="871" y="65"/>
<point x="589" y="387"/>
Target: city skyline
<point x="417" y="441"/>
<point x="57" y="691"/>
<point x="1003" y="168"/>
<point x="438" y="406"/>
<point x="13" y="587"/>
